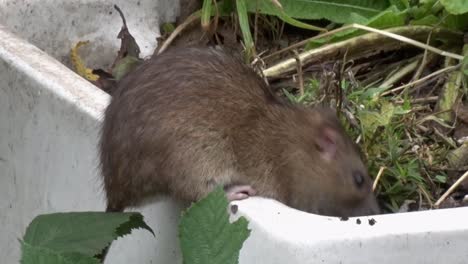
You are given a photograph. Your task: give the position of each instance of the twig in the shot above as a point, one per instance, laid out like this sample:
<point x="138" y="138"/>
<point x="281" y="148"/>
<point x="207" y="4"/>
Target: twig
<point x="429" y="99"/>
<point x="423" y="128"/>
<point x="366" y="41"/>
<point x="424" y="60"/>
<point x="427" y="57"/>
<point x="451" y="189"/>
<point x="429" y="76"/>
<point x="444" y="168"/>
<point x="447" y="140"/>
<point x="304" y="42"/>
<point x="299" y="73"/>
<point x="377" y="178"/>
<point x="410" y="41"/>
<point x="426" y="195"/>
<point x="191" y="19"/>
<point x="401" y="73"/>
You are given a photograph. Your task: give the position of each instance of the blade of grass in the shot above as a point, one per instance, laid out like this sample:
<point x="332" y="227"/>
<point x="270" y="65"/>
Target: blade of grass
<point x="245" y="28"/>
<point x="206" y="14"/>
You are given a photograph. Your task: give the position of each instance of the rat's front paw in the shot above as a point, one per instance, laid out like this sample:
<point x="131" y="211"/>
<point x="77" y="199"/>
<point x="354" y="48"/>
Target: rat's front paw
<point x="239" y="192"/>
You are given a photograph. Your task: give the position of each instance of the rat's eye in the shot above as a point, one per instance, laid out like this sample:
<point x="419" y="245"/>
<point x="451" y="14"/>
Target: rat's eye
<point x="358" y="178"/>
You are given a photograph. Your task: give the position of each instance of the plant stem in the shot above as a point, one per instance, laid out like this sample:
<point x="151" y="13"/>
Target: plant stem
<point x="451" y="189"/>
<point x="370" y="43"/>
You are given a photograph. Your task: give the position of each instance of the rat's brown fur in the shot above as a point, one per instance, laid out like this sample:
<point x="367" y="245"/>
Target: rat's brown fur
<point x="191" y="119"/>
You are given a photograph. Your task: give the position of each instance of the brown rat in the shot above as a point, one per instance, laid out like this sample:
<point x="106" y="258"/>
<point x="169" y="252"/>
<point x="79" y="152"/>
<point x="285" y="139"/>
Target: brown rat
<point x="191" y="119"/>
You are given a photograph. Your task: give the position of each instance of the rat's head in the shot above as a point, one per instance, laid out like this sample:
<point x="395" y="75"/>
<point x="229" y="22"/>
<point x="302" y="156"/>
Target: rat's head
<point x="327" y="169"/>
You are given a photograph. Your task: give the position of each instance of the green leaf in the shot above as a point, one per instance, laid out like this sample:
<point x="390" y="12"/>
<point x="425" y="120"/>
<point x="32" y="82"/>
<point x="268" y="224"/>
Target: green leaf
<point x="453" y="22"/>
<point x="386" y="112"/>
<point x="86" y="233"/>
<point x="370" y="121"/>
<point x="225" y="7"/>
<point x="167" y="28"/>
<point x="456" y="22"/>
<point x="387" y="19"/>
<point x="338" y="11"/>
<point x="371" y="94"/>
<point x="124" y="66"/>
<point x="207" y="236"/>
<point x="267" y="7"/>
<point x="400" y="4"/>
<point x="441" y="178"/>
<point x="455" y="7"/>
<point x="39" y="255"/>
<point x="429" y="20"/>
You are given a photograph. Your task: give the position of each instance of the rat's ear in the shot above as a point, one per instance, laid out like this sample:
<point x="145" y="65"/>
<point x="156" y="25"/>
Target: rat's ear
<point x="327" y="143"/>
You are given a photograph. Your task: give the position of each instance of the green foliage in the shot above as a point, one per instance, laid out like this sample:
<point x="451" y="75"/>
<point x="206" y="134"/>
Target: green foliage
<point x="386" y="129"/>
<point x="207" y="236"/>
<point x="75" y="237"/>
<point x="338" y="11"/>
<point x="266" y="7"/>
<point x="455" y="7"/>
<point x="310" y="93"/>
<point x="39" y="255"/>
<point x="400" y="4"/>
<point x="451" y="14"/>
<point x="383" y="127"/>
<point x="386" y="19"/>
<point x="385" y="142"/>
<point x="167" y="28"/>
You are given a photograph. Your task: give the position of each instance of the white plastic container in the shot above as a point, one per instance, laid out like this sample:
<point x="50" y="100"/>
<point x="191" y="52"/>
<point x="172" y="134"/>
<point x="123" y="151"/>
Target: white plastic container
<point x="49" y="124"/>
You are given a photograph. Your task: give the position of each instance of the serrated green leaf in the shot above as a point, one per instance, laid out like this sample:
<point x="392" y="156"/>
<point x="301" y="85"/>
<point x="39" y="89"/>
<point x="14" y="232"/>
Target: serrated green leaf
<point x="39" y="255"/>
<point x="338" y="11"/>
<point x="370" y="121"/>
<point x="455" y="7"/>
<point x="386" y="112"/>
<point x="207" y="236"/>
<point x="85" y="233"/>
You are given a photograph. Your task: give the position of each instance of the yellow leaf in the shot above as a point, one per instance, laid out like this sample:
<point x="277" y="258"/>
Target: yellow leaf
<point x="80" y="67"/>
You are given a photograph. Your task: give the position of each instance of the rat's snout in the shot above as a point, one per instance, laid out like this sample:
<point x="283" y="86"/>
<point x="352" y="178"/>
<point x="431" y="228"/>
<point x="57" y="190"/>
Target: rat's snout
<point x="367" y="207"/>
